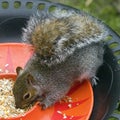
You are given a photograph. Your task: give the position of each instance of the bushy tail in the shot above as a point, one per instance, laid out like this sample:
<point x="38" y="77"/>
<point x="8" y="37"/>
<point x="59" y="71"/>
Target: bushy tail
<point x="56" y="36"/>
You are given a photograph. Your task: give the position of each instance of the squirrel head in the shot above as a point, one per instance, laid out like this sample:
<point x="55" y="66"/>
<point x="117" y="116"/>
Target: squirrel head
<point x="58" y="35"/>
<point x="24" y="90"/>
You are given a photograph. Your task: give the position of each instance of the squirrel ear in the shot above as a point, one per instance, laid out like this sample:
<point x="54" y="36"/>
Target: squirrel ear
<point x="19" y="70"/>
<point x="30" y="79"/>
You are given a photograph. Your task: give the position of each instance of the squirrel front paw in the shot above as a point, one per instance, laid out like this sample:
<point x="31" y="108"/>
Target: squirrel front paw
<point x="43" y="106"/>
<point x="46" y="103"/>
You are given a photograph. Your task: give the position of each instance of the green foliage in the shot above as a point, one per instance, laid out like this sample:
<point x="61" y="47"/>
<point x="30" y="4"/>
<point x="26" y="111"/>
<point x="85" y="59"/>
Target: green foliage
<point x="102" y="9"/>
<point x="113" y="118"/>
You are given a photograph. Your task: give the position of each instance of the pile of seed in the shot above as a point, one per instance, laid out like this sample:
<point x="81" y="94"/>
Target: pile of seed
<point x="7" y="102"/>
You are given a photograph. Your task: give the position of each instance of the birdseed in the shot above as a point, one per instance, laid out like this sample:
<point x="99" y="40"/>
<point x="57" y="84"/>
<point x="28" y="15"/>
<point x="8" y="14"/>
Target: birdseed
<point x="7" y="102"/>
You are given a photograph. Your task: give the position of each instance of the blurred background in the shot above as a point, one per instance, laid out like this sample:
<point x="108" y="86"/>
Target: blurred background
<point x="106" y="10"/>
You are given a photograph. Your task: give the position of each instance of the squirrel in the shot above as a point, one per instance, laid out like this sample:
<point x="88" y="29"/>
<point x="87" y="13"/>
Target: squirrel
<point x="68" y="47"/>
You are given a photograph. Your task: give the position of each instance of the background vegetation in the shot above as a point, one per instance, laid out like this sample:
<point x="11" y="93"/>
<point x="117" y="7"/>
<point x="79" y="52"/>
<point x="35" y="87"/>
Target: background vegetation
<point x="106" y="10"/>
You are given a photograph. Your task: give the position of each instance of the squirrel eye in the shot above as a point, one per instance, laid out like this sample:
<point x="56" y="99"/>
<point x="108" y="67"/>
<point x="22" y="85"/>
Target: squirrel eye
<point x="27" y="96"/>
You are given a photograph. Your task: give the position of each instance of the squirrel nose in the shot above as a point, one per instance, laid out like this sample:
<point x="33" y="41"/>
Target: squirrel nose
<point x="18" y="105"/>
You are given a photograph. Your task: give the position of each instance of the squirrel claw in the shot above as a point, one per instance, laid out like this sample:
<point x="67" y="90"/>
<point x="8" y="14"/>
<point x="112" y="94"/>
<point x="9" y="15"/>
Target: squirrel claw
<point x="43" y="107"/>
<point x="94" y="80"/>
<point x="45" y="104"/>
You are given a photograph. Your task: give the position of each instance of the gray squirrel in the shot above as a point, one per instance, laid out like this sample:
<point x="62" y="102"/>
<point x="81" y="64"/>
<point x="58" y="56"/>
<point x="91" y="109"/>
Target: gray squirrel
<point x="68" y="48"/>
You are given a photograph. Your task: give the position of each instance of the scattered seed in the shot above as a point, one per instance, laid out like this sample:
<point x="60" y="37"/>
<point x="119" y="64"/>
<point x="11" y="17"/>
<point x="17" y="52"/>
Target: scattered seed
<point x="6" y="65"/>
<point x="1" y="70"/>
<point x="70" y="105"/>
<point x="6" y="71"/>
<point x="64" y="116"/>
<point x="59" y="112"/>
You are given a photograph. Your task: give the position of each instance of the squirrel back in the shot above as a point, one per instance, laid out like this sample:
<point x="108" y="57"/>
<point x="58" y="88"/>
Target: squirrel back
<point x="58" y="35"/>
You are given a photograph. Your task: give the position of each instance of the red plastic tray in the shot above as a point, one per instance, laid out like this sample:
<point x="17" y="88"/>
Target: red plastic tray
<point x="17" y="54"/>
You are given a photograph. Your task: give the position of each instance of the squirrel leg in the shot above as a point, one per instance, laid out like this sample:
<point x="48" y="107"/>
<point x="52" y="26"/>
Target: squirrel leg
<point x="94" y="80"/>
<point x="53" y="96"/>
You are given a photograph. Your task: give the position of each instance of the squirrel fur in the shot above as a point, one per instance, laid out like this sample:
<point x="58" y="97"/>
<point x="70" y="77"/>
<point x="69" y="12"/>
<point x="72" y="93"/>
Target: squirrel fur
<point x="68" y="48"/>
